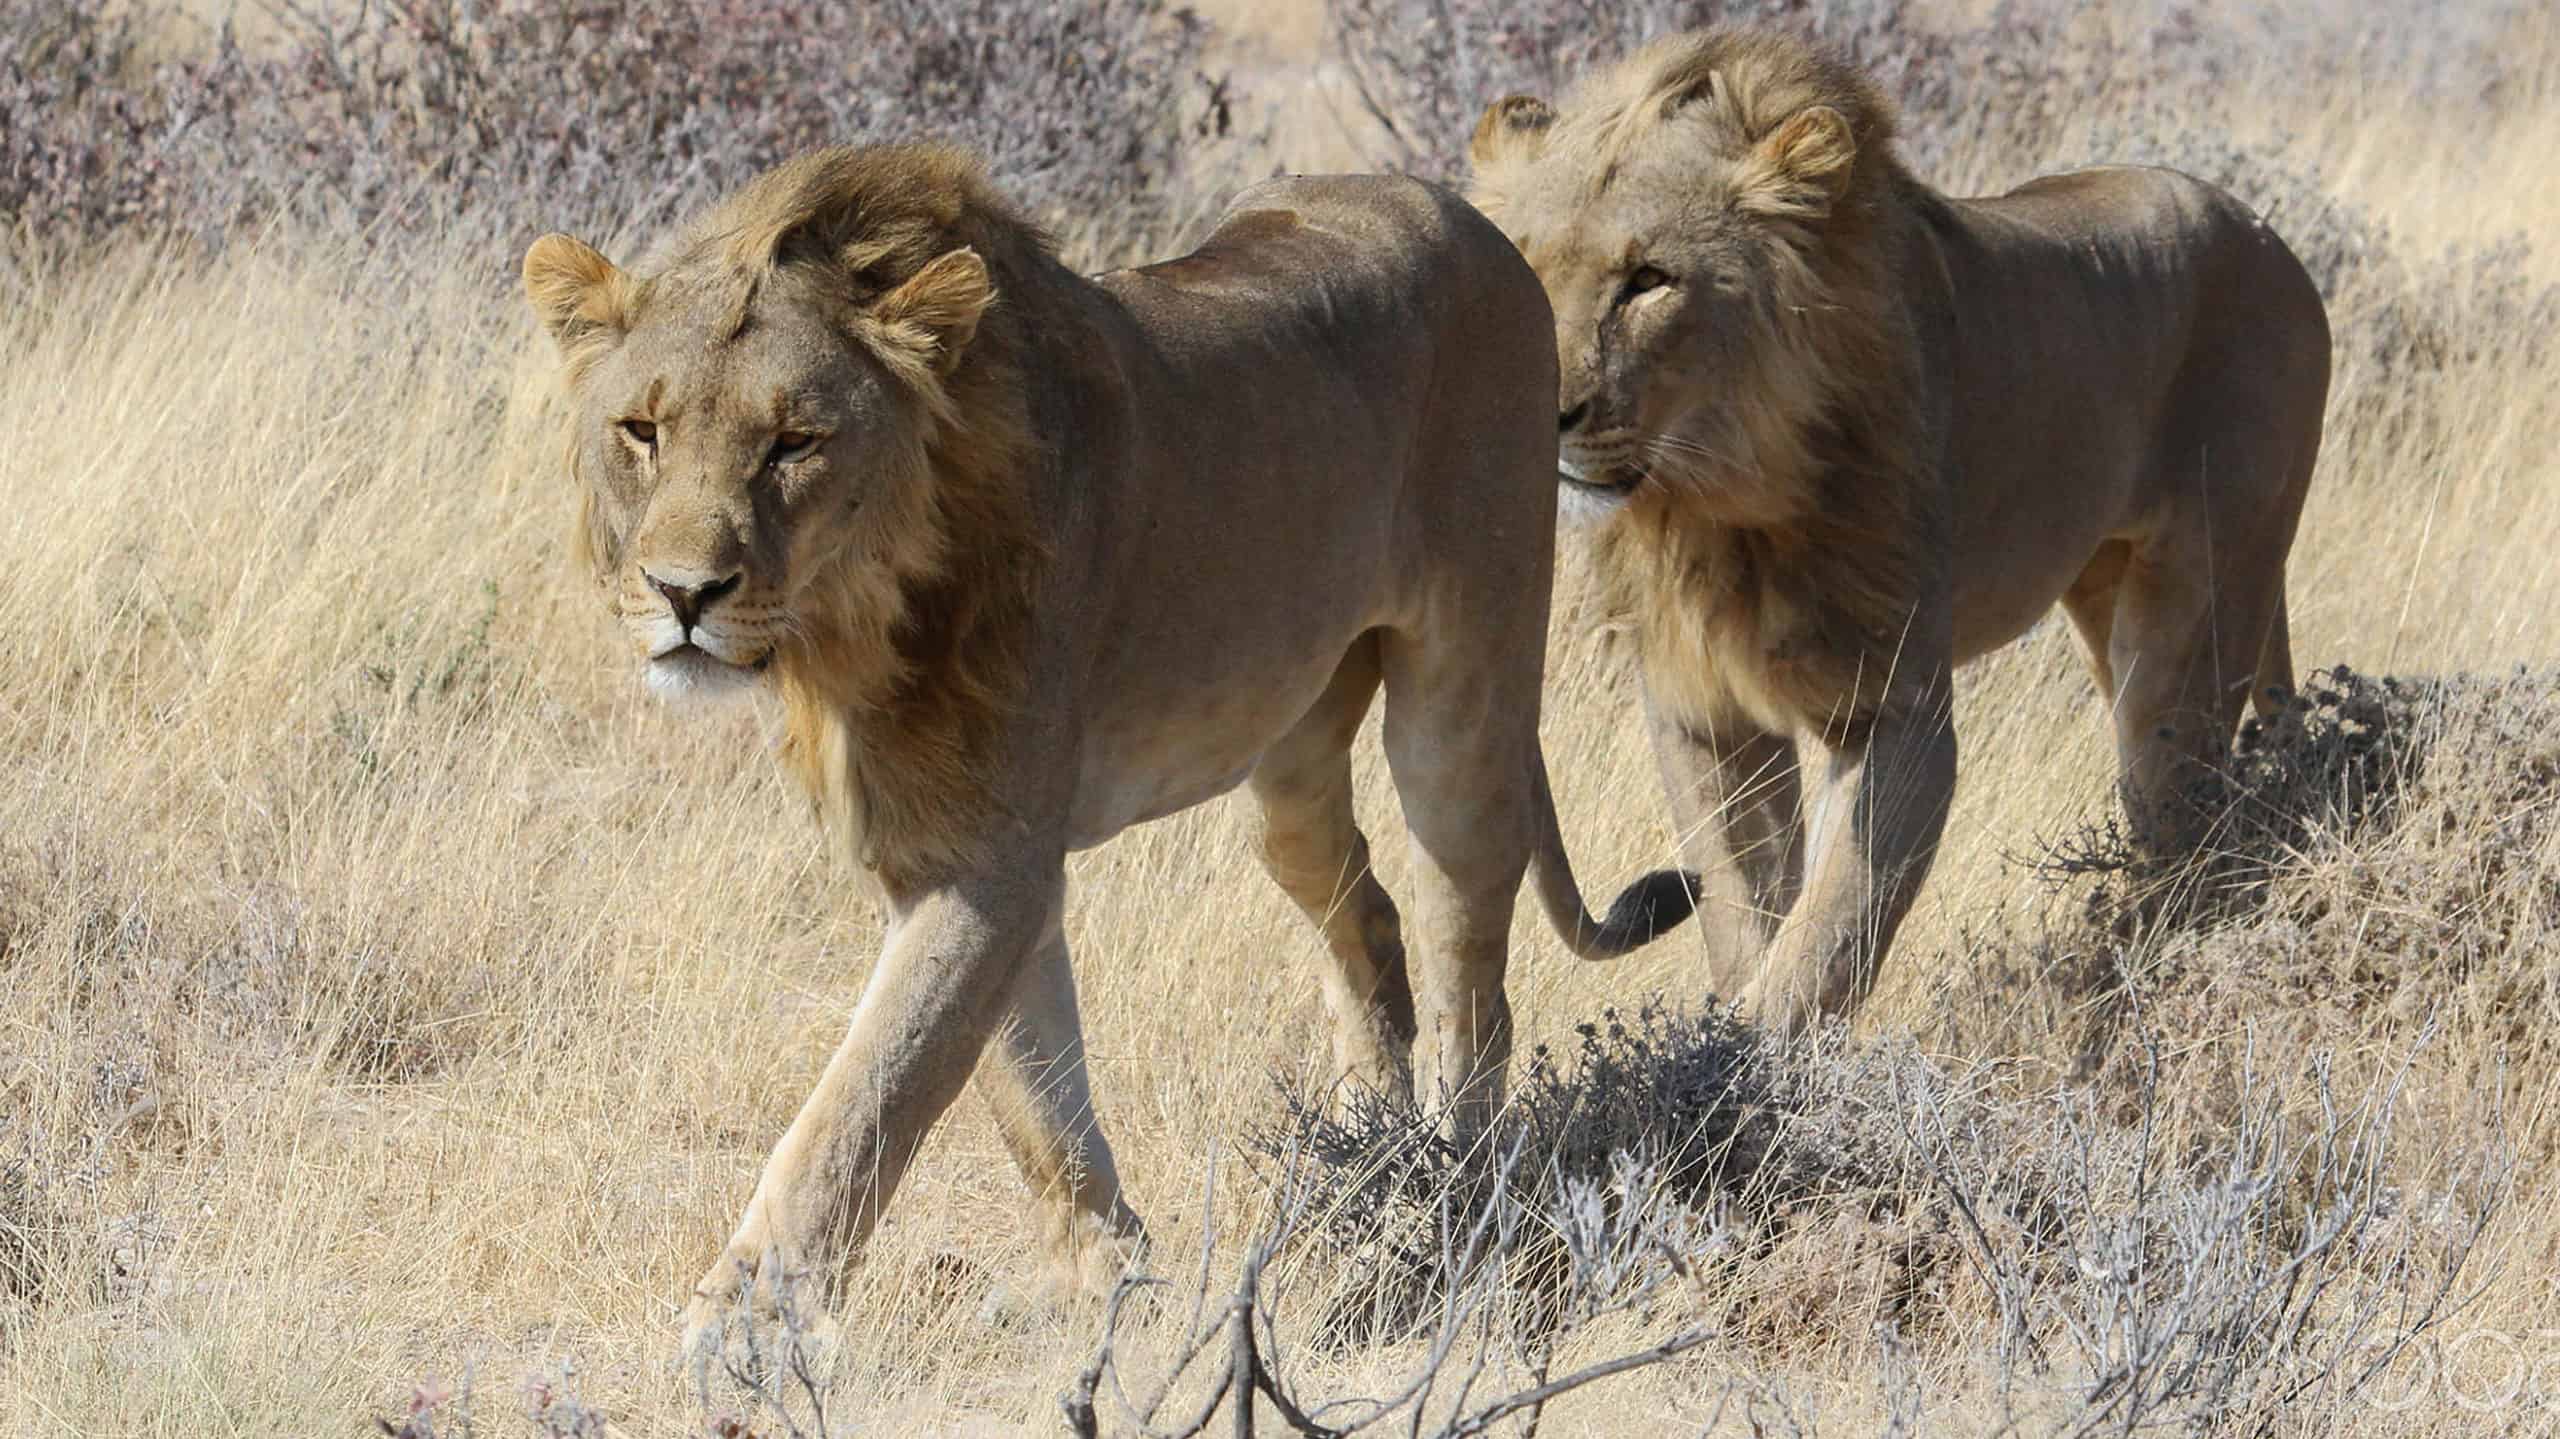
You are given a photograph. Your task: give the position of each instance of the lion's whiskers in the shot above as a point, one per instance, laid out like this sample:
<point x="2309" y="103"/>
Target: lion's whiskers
<point x="1677" y="457"/>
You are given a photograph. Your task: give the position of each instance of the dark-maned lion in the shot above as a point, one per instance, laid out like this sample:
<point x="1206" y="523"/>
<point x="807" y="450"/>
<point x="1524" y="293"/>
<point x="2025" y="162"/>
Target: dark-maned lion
<point x="1842" y="433"/>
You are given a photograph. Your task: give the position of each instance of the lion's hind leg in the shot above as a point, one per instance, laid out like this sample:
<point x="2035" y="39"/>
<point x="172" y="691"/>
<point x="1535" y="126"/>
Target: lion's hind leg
<point x="2091" y="605"/>
<point x="2201" y="628"/>
<point x="1033" y="1078"/>
<point x="1461" y="740"/>
<point x="2191" y="649"/>
<point x="2275" y="658"/>
<point x="1313" y="849"/>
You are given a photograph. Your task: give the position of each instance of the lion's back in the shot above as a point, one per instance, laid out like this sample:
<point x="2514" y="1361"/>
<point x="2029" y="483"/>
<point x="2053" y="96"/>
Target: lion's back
<point x="1344" y="266"/>
<point x="1406" y="323"/>
<point x="2146" y="240"/>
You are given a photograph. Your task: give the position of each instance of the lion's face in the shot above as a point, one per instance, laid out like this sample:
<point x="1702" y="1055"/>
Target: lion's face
<point x="1649" y="317"/>
<point x="737" y="446"/>
<point x="1675" y="269"/>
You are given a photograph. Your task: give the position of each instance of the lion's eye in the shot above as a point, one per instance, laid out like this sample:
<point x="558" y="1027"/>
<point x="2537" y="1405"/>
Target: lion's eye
<point x="642" y="433"/>
<point x="1644" y="281"/>
<point x="790" y="445"/>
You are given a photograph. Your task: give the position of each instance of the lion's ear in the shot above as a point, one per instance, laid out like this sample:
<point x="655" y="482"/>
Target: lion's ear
<point x="940" y="305"/>
<point x="577" y="293"/>
<point x="1804" y="165"/>
<point x="1512" y="125"/>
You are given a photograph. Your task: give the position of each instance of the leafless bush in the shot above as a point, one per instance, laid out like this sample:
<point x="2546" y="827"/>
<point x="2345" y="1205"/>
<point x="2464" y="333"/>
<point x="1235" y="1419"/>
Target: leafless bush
<point x="2264" y="1280"/>
<point x="77" y="136"/>
<point x="625" y="111"/>
<point x="2376" y="854"/>
<point x="2332" y="760"/>
<point x="2101" y="1269"/>
<point x="2094" y="1273"/>
<point x="2450" y="907"/>
<point x="2375" y="848"/>
<point x="1655" y="1123"/>
<point x="2204" y="1286"/>
<point x="766" y="1376"/>
<point x="2026" y="68"/>
<point x="1478" y="1366"/>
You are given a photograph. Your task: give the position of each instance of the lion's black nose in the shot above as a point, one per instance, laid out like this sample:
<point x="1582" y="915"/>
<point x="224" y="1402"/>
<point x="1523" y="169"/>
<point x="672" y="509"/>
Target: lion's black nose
<point x="689" y="601"/>
<point x="1571" y="419"/>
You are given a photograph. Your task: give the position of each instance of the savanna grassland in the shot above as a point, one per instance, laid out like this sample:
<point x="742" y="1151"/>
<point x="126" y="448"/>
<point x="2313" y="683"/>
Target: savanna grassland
<point x="396" y="1005"/>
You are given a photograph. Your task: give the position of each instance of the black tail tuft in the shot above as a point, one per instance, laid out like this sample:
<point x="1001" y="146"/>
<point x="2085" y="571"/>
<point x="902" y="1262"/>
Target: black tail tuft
<point x="1658" y="902"/>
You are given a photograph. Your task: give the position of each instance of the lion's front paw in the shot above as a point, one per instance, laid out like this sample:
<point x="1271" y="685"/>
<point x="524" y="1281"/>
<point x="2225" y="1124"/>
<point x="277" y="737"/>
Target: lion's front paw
<point x="1106" y="1251"/>
<point x="721" y="1295"/>
<point x="1775" y="1008"/>
<point x="749" y="1317"/>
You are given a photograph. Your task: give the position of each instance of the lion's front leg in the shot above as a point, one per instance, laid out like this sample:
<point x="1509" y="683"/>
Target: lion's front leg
<point x="1736" y="800"/>
<point x="1875" y="812"/>
<point x="943" y="981"/>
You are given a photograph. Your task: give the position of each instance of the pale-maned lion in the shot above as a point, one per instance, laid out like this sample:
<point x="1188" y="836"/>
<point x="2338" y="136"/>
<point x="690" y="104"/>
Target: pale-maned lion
<point x="1840" y="433"/>
<point x="1030" y="559"/>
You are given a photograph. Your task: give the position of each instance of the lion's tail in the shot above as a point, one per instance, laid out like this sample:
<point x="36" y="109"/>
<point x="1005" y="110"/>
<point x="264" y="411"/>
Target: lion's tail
<point x="1646" y="909"/>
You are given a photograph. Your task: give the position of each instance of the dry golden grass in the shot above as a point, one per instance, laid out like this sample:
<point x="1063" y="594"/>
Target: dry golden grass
<point x="389" y="989"/>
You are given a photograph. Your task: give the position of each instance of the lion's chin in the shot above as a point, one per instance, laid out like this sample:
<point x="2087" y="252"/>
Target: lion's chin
<point x="689" y="673"/>
<point x="1585" y="499"/>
